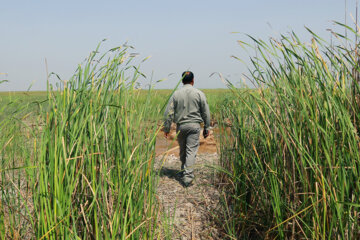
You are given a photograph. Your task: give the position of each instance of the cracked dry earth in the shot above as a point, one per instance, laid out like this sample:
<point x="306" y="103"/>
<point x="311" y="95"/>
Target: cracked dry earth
<point x="189" y="212"/>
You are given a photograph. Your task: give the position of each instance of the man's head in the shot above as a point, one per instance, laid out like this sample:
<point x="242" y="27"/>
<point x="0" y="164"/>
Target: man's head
<point x="188" y="77"/>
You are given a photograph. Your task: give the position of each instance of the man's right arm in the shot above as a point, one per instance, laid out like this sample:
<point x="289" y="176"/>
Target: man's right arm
<point x="169" y="115"/>
<point x="205" y="114"/>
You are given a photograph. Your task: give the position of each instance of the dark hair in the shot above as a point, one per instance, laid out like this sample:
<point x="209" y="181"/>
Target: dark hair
<point x="187" y="77"/>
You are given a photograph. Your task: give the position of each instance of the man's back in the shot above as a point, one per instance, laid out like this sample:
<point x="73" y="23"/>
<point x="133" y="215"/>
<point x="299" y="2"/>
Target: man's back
<point x="187" y="105"/>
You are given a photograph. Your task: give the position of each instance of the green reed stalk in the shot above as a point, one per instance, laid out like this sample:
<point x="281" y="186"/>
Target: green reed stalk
<point x="96" y="156"/>
<point x="16" y="162"/>
<point x="292" y="148"/>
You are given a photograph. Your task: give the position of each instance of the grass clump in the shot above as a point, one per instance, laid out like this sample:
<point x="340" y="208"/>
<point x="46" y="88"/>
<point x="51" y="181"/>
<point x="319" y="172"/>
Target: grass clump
<point x="94" y="178"/>
<point x="291" y="147"/>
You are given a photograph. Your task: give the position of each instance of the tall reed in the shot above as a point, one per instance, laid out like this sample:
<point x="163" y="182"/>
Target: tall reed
<point x="95" y="178"/>
<point x="16" y="162"/>
<point x="291" y="149"/>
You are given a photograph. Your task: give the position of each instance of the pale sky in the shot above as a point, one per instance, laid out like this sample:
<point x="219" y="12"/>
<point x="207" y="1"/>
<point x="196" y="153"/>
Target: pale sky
<point x="178" y="35"/>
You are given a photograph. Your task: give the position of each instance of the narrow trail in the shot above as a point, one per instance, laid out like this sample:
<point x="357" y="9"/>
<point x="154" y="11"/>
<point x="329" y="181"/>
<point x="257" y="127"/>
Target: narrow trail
<point x="188" y="212"/>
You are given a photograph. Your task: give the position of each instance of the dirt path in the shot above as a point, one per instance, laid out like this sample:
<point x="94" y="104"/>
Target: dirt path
<point x="190" y="211"/>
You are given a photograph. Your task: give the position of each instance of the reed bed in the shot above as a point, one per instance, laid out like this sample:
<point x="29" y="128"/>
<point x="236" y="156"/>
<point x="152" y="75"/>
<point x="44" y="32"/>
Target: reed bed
<point x="290" y="147"/>
<point x="16" y="155"/>
<point x="95" y="178"/>
<point x="83" y="168"/>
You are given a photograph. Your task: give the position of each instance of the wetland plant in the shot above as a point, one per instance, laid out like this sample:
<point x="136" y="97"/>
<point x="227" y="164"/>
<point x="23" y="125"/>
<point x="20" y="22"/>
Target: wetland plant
<point x="291" y="152"/>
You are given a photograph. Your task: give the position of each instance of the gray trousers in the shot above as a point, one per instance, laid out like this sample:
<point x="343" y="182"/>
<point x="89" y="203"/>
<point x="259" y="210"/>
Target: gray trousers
<point x="188" y="139"/>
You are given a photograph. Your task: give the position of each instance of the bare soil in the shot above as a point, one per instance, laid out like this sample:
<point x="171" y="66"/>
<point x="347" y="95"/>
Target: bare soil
<point x="189" y="212"/>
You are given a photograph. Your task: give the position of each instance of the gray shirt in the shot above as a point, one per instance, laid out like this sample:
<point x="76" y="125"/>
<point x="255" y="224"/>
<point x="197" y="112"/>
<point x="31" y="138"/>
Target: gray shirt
<point x="187" y="105"/>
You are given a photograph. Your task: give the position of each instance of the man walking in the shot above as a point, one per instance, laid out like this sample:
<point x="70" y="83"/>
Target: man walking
<point x="187" y="107"/>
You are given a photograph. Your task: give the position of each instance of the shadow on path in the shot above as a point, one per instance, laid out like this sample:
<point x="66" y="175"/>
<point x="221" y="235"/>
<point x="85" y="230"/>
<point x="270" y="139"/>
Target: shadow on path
<point x="171" y="173"/>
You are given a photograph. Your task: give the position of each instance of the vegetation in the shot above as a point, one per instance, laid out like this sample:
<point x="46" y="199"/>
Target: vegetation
<point x="88" y="162"/>
<point x="290" y="149"/>
<point x="77" y="161"/>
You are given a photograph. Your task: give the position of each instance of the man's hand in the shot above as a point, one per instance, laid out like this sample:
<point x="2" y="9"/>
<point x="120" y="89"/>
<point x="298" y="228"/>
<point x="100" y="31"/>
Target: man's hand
<point x="205" y="133"/>
<point x="166" y="134"/>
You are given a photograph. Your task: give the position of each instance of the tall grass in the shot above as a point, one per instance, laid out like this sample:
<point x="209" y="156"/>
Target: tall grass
<point x="77" y="163"/>
<point x="16" y="162"/>
<point x="94" y="178"/>
<point x="291" y="146"/>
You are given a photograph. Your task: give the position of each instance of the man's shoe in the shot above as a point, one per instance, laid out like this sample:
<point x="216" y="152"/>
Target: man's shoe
<point x="187" y="181"/>
<point x="187" y="184"/>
